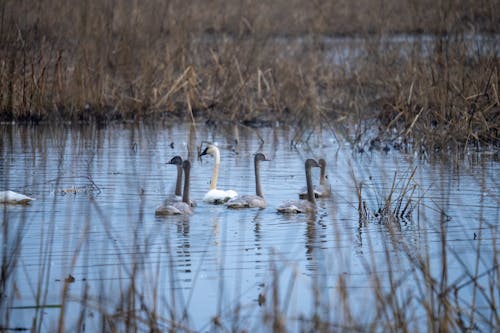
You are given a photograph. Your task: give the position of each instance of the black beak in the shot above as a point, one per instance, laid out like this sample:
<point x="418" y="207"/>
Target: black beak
<point x="204" y="152"/>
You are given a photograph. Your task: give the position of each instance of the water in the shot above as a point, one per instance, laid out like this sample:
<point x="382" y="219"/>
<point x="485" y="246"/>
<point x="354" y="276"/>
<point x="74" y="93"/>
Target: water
<point x="96" y="191"/>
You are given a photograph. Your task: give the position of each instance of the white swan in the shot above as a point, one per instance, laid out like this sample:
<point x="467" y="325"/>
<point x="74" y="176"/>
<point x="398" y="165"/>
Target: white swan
<point x="251" y="201"/>
<point x="11" y="197"/>
<point x="324" y="189"/>
<point x="214" y="195"/>
<point x="302" y="206"/>
<point x="178" y="207"/>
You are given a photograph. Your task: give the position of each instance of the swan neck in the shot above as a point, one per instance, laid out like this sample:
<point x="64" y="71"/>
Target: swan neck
<point x="258" y="187"/>
<point x="310" y="188"/>
<point x="215" y="175"/>
<point x="185" y="194"/>
<point x="216" y="154"/>
<point x="322" y="175"/>
<point x="178" y="184"/>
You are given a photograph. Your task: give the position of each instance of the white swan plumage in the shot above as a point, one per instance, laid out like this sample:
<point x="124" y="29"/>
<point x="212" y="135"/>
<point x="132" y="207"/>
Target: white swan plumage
<point x="214" y="195"/>
<point x="218" y="197"/>
<point x="251" y="201"/>
<point x="302" y="206"/>
<point x="323" y="189"/>
<point x="175" y="207"/>
<point x="11" y="197"/>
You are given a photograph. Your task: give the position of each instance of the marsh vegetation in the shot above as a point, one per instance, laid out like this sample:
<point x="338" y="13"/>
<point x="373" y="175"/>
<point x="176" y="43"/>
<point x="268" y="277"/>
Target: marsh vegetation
<point x="422" y="71"/>
<point x="401" y="98"/>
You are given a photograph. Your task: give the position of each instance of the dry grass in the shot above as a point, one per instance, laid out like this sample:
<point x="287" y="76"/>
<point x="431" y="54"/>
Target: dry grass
<point x="256" y="62"/>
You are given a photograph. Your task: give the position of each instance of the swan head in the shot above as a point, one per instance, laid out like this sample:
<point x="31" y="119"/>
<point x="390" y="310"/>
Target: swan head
<point x="322" y="163"/>
<point x="312" y="163"/>
<point x="261" y="157"/>
<point x="176" y="160"/>
<point x="186" y="165"/>
<point x="211" y="149"/>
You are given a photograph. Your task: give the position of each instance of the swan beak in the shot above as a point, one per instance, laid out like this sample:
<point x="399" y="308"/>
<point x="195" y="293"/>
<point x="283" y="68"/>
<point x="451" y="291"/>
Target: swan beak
<point x="204" y="152"/>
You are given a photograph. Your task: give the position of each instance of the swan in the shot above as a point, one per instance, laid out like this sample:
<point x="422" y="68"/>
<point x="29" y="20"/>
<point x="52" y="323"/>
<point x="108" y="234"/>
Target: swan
<point x="176" y="207"/>
<point x="323" y="190"/>
<point x="251" y="201"/>
<point x="11" y="197"/>
<point x="302" y="206"/>
<point x="214" y="195"/>
<point x="177" y="161"/>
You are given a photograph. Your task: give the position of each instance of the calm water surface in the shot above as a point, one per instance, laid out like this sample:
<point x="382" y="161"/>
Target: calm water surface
<point x="96" y="192"/>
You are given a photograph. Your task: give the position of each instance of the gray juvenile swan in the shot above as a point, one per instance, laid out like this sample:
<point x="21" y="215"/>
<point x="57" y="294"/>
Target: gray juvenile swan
<point x="323" y="190"/>
<point x="214" y="195"/>
<point x="11" y="197"/>
<point x="176" y="207"/>
<point x="251" y="201"/>
<point x="177" y="161"/>
<point x="302" y="206"/>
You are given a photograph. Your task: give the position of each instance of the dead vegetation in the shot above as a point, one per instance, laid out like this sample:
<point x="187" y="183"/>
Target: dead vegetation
<point x="427" y="71"/>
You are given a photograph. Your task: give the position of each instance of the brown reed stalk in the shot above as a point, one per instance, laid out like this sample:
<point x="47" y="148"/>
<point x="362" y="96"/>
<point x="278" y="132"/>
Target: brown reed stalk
<point x="61" y="61"/>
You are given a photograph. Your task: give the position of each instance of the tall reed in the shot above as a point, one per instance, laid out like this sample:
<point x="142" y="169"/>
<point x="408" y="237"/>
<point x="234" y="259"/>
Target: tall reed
<point x="257" y="62"/>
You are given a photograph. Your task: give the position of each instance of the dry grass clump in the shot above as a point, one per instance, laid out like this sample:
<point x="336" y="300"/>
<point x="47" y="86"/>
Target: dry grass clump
<point x="448" y="98"/>
<point x="432" y="303"/>
<point x="435" y="302"/>
<point x="388" y="205"/>
<point x="256" y="62"/>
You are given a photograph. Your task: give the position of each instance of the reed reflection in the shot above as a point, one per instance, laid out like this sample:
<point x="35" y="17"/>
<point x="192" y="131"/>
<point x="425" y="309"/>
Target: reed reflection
<point x="257" y="220"/>
<point x="183" y="246"/>
<point x="311" y="243"/>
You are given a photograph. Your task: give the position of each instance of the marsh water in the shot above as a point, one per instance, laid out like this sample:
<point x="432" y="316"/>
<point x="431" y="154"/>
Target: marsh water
<point x="93" y="220"/>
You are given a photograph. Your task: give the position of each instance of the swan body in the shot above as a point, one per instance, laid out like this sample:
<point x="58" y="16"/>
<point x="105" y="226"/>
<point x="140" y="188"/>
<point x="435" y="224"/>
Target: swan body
<point x="175" y="207"/>
<point x="218" y="197"/>
<point x="251" y="201"/>
<point x="296" y="207"/>
<point x="302" y="206"/>
<point x="11" y="197"/>
<point x="214" y="195"/>
<point x="323" y="190"/>
<point x="246" y="201"/>
<point x="172" y="208"/>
